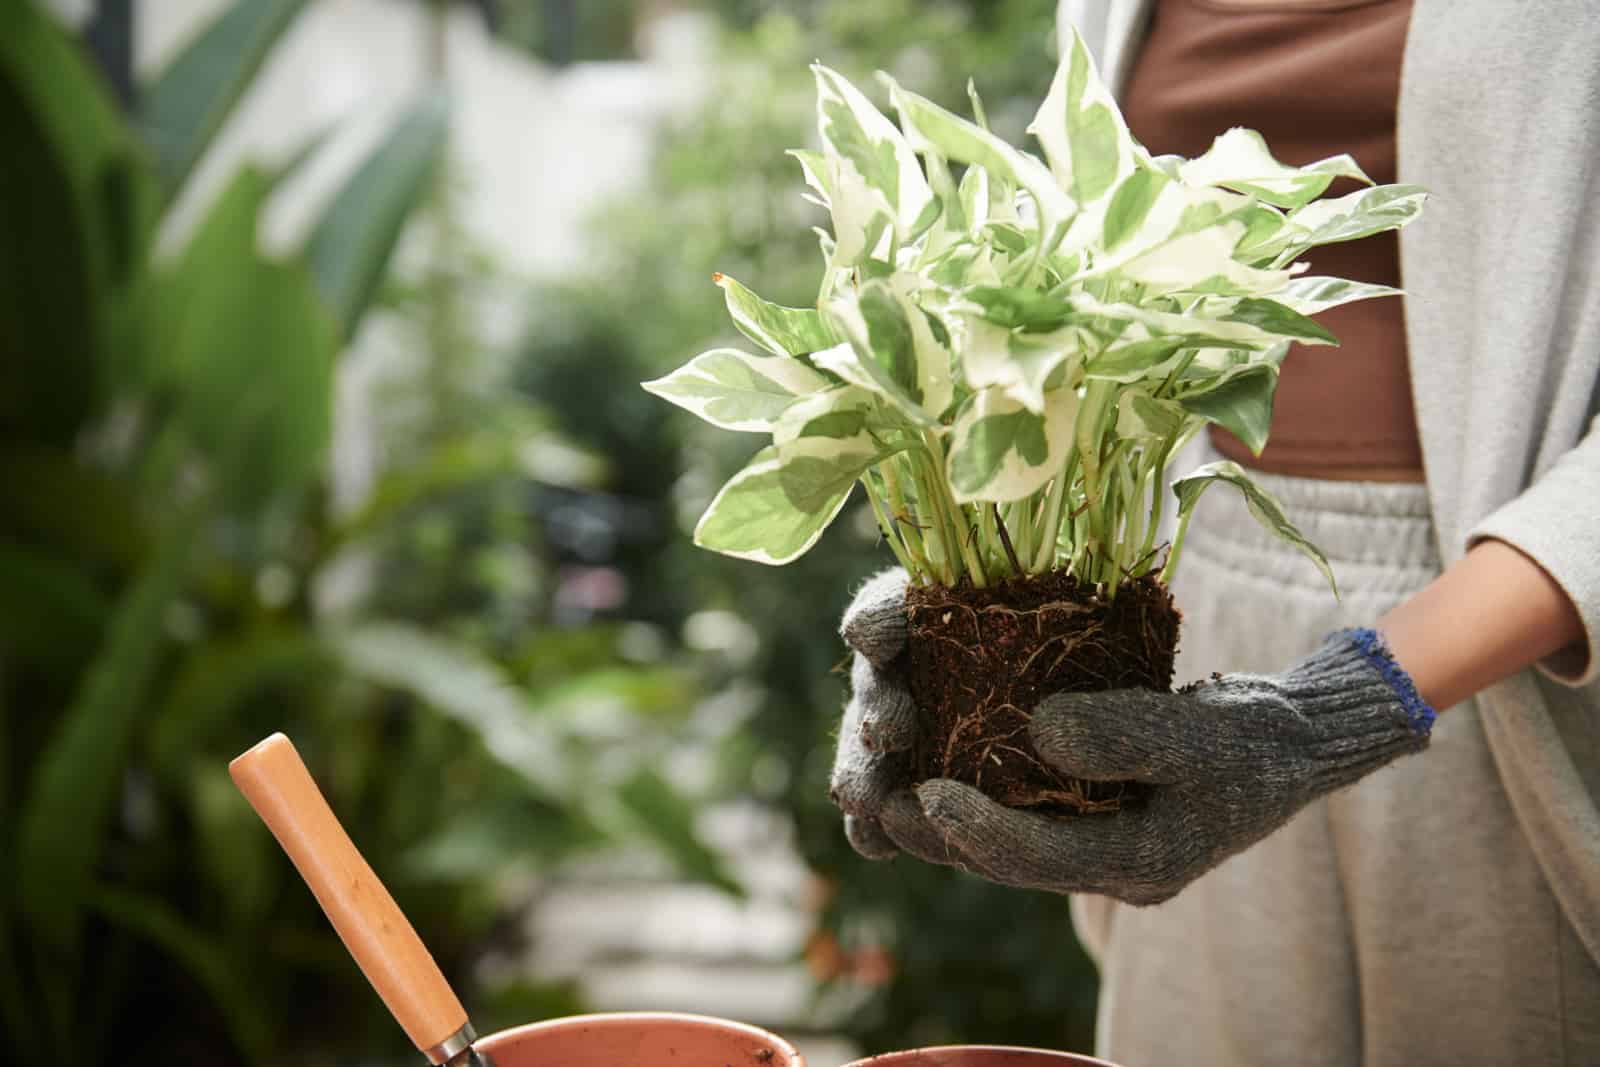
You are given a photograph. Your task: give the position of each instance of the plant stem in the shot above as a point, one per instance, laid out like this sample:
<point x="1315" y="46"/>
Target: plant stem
<point x="902" y="516"/>
<point x="935" y="490"/>
<point x="890" y="534"/>
<point x="1171" y="565"/>
<point x="1005" y="539"/>
<point x="1049" y="530"/>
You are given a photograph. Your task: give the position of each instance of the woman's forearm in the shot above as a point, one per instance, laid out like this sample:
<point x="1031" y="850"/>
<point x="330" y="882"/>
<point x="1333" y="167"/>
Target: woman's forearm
<point x="1488" y="616"/>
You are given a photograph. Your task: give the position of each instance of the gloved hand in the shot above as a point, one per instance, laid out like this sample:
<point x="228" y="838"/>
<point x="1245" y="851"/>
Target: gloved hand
<point x="1226" y="763"/>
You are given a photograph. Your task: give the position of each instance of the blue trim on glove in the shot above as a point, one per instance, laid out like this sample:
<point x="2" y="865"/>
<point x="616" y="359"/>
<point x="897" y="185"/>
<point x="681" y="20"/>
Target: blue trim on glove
<point x="1372" y="647"/>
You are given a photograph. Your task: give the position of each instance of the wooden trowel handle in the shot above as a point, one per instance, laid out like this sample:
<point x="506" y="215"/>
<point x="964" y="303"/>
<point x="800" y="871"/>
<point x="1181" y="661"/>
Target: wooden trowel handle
<point x="275" y="781"/>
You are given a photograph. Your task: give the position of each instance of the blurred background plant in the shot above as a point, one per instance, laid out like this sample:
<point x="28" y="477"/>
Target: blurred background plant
<point x="493" y="643"/>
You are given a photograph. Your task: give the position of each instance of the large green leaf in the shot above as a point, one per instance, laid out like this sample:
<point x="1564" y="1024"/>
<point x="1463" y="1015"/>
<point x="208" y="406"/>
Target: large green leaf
<point x="1241" y="404"/>
<point x="52" y="497"/>
<point x="239" y="329"/>
<point x="182" y="109"/>
<point x="73" y="235"/>
<point x="457" y="680"/>
<point x="350" y="246"/>
<point x="738" y="391"/>
<point x="216" y="679"/>
<point x="1262" y="504"/>
<point x="73" y="790"/>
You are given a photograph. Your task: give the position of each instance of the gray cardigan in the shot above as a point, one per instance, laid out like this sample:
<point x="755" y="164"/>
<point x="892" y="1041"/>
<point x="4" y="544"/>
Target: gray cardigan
<point x="1499" y="117"/>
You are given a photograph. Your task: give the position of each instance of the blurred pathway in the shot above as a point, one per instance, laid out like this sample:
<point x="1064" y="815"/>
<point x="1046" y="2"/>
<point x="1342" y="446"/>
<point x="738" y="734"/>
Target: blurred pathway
<point x="637" y="940"/>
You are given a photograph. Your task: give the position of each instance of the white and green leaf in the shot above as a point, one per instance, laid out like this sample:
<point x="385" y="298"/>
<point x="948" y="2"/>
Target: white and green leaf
<point x="1082" y="131"/>
<point x="773" y="511"/>
<point x="737" y="391"/>
<point x="1350" y="218"/>
<point x="929" y="126"/>
<point x="783" y="331"/>
<point x="1262" y="504"/>
<point x="1240" y="160"/>
<point x="1314" y="295"/>
<point x="891" y="349"/>
<point x="854" y="130"/>
<point x="1021" y="365"/>
<point x="1001" y="451"/>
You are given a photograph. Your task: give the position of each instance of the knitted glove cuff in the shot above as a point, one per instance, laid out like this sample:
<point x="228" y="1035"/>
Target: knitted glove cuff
<point x="1363" y="708"/>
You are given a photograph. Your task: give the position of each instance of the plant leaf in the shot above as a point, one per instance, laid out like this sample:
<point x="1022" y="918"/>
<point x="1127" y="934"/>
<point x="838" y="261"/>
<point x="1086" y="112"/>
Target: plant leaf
<point x="928" y="125"/>
<point x="181" y="111"/>
<point x="1130" y="206"/>
<point x="1280" y="320"/>
<point x="854" y="130"/>
<point x="1349" y="218"/>
<point x="1081" y="129"/>
<point x="77" y="223"/>
<point x="738" y="391"/>
<point x="891" y="349"/>
<point x="1000" y="451"/>
<point x="1242" y="404"/>
<point x="1262" y="505"/>
<point x="1019" y="364"/>
<point x="1311" y="296"/>
<point x="349" y="248"/>
<point x="238" y="327"/>
<point x="773" y="512"/>
<point x="783" y="331"/>
<point x="455" y="679"/>
<point x="1239" y="160"/>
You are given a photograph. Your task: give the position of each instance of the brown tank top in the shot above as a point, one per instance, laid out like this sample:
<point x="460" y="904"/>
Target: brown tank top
<point x="1316" y="78"/>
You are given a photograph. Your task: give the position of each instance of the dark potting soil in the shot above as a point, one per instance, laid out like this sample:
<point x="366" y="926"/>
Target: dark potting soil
<point x="981" y="660"/>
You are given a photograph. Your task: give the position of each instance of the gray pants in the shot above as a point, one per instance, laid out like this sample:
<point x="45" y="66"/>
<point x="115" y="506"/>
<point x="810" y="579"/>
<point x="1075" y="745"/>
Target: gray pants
<point x="1401" y="921"/>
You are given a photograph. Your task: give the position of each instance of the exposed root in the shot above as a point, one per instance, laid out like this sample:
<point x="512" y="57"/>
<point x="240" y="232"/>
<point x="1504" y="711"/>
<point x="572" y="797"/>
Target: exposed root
<point x="981" y="659"/>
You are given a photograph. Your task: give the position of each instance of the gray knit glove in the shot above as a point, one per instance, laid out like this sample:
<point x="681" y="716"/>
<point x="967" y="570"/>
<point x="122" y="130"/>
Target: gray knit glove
<point x="1225" y="764"/>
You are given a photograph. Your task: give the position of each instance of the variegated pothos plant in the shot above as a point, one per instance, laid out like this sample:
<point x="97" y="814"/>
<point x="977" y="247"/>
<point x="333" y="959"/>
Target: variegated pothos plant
<point x="1007" y="362"/>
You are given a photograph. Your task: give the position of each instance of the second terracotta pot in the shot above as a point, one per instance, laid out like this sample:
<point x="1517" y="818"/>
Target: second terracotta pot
<point x="980" y="1056"/>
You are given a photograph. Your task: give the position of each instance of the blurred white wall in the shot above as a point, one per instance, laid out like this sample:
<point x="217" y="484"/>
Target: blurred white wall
<point x="534" y="151"/>
<point x="536" y="147"/>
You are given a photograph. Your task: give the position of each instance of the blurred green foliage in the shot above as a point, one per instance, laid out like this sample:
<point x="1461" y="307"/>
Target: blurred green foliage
<point x="176" y="582"/>
<point x="909" y="954"/>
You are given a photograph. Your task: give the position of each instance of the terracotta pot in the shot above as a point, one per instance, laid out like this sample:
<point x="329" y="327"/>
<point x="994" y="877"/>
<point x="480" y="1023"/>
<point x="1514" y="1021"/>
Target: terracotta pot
<point x="980" y="1056"/>
<point x="639" y="1039"/>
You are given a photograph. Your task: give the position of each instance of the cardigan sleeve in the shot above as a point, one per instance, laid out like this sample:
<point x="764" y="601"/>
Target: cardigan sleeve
<point x="1556" y="523"/>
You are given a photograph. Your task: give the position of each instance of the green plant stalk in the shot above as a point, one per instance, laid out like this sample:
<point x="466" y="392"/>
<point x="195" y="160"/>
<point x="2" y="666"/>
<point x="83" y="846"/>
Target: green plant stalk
<point x="1158" y="498"/>
<point x="1090" y="417"/>
<point x="1168" y="569"/>
<point x="886" y="525"/>
<point x="901" y="516"/>
<point x="934" y="474"/>
<point x="1051" y="529"/>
